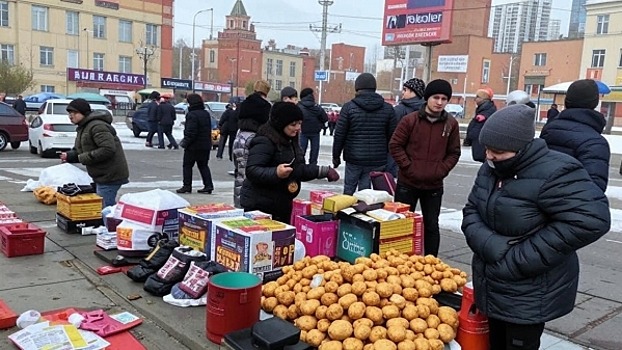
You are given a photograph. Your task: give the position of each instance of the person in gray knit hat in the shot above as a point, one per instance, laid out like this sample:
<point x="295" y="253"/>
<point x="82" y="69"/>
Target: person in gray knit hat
<point x="529" y="211"/>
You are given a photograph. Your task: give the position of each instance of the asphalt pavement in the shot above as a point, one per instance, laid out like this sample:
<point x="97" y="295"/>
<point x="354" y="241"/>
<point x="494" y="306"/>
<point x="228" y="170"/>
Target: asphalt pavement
<point x="65" y="275"/>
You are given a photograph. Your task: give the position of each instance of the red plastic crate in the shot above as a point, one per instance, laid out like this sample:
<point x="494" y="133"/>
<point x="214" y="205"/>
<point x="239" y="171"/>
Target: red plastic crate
<point x="7" y="316"/>
<point x="21" y="239"/>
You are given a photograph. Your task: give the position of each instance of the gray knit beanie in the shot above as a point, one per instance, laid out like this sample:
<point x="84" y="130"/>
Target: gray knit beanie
<point x="509" y="129"/>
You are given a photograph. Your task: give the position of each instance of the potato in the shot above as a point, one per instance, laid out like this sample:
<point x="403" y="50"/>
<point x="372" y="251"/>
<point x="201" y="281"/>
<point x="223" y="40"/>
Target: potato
<point x="300" y="298"/>
<point x="308" y="307"/>
<point x="340" y="330"/>
<point x="375" y="314"/>
<point x="320" y="312"/>
<point x="269" y="304"/>
<point x="334" y="312"/>
<point x="396" y="333"/>
<point x="410" y="294"/>
<point x="329" y="299"/>
<point x="337" y="279"/>
<point x="410" y="335"/>
<point x="422" y="344"/>
<point x="269" y="288"/>
<point x="322" y="325"/>
<point x="348" y="273"/>
<point x="363" y="260"/>
<point x="358" y="288"/>
<point x="318" y="259"/>
<point x="280" y="311"/>
<point x="397" y="289"/>
<point x="369" y="347"/>
<point x="410" y="312"/>
<point x="398" y="321"/>
<point x="306" y="323"/>
<point x="446" y="332"/>
<point x="292" y="312"/>
<point x="390" y="311"/>
<point x="363" y="321"/>
<point x="306" y="289"/>
<point x="425" y="292"/>
<point x="344" y="289"/>
<point x="433" y="321"/>
<point x="331" y="345"/>
<point x="449" y="285"/>
<point x="384" y="344"/>
<point x="352" y="344"/>
<point x="299" y="265"/>
<point x="362" y="332"/>
<point x="436" y="344"/>
<point x="305" y="282"/>
<point x="309" y="271"/>
<point x="286" y="298"/>
<point x="371" y="298"/>
<point x="356" y="310"/>
<point x="448" y="315"/>
<point x="431" y="303"/>
<point x="315" y="337"/>
<point x="316" y="293"/>
<point x="331" y="287"/>
<point x="303" y="336"/>
<point x="347" y="300"/>
<point x="398" y="300"/>
<point x="358" y="278"/>
<point x="418" y="325"/>
<point x="431" y="333"/>
<point x="370" y="275"/>
<point x="377" y="333"/>
<point x="384" y="290"/>
<point x="406" y="345"/>
<point x="423" y="311"/>
<point x="382" y="273"/>
<point x="436" y="289"/>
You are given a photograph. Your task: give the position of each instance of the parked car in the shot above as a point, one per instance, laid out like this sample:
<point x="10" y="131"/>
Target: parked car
<point x="49" y="134"/>
<point x="13" y="127"/>
<point x="34" y="102"/>
<point x="333" y="106"/>
<point x="59" y="107"/>
<point x="216" y="109"/>
<point x="455" y="110"/>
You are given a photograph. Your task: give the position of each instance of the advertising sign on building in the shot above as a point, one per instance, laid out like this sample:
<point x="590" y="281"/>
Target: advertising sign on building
<point x="453" y="64"/>
<point x="173" y="83"/>
<point x="212" y="87"/>
<point x="416" y="22"/>
<point x="351" y="76"/>
<point x="96" y="76"/>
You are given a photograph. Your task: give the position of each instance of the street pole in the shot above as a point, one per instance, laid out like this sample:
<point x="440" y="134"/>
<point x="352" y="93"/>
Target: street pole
<point x="507" y="90"/>
<point x="181" y="51"/>
<point x="193" y="54"/>
<point x="324" y="30"/>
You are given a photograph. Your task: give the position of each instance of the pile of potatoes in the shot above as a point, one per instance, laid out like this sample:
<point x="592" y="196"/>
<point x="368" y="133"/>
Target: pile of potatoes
<point x="379" y="303"/>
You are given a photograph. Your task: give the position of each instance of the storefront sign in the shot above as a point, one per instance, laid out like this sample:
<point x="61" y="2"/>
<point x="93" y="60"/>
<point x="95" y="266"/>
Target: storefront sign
<point x="93" y="76"/>
<point x="453" y="64"/>
<point x="107" y="4"/>
<point x="176" y="83"/>
<point x="417" y="21"/>
<point x="73" y="1"/>
<point x="212" y="87"/>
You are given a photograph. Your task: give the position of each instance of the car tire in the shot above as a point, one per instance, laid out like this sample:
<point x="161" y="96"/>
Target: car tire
<point x="40" y="151"/>
<point x="15" y="144"/>
<point x="33" y="150"/>
<point x="135" y="130"/>
<point x="4" y="141"/>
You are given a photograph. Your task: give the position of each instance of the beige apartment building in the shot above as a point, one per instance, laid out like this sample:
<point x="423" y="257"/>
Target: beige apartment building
<point x="282" y="69"/>
<point x="86" y="45"/>
<point x="602" y="52"/>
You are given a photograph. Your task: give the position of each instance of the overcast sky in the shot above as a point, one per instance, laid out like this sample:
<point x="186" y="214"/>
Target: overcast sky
<point x="288" y="21"/>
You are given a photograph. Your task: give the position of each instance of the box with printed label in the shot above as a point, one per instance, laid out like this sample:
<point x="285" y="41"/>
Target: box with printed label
<point x="252" y="246"/>
<point x="317" y="196"/>
<point x="195" y="229"/>
<point x="318" y="233"/>
<point x="300" y="207"/>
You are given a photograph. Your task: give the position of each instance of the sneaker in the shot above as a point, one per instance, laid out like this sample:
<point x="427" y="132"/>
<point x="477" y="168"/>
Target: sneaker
<point x="205" y="190"/>
<point x="184" y="190"/>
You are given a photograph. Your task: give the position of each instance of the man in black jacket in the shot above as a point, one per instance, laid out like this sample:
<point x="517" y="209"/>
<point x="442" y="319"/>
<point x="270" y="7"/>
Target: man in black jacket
<point x="19" y="105"/>
<point x="152" y="119"/>
<point x="363" y="131"/>
<point x="228" y="125"/>
<point x="314" y="118"/>
<point x="166" y="119"/>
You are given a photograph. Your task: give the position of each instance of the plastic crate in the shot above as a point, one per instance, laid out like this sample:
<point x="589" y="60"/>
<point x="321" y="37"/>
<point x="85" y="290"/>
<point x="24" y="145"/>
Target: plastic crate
<point x="7" y="316"/>
<point x="81" y="207"/>
<point x="21" y="239"/>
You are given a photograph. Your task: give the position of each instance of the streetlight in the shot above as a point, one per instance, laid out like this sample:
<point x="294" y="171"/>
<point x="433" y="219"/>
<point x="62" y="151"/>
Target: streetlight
<point x="145" y="54"/>
<point x="194" y="19"/>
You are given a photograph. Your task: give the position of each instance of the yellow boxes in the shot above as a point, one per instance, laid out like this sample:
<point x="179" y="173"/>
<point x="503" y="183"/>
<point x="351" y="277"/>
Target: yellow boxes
<point x="81" y="207"/>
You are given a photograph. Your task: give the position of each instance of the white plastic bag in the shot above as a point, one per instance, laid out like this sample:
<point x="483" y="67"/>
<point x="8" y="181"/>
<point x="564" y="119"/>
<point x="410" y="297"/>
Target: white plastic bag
<point x="370" y="196"/>
<point x="58" y="175"/>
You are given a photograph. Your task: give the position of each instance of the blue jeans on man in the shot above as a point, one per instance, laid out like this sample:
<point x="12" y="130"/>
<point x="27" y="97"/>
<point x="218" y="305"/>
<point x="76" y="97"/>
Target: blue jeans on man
<point x="358" y="176"/>
<point x="315" y="146"/>
<point x="108" y="192"/>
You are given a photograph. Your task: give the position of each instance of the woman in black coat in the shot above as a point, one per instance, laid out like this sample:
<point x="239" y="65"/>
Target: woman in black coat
<point x="276" y="165"/>
<point x="197" y="144"/>
<point x="528" y="213"/>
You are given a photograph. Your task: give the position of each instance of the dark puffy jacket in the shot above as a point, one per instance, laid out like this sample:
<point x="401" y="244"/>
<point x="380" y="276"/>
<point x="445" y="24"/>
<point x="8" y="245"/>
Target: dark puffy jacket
<point x="314" y="116"/>
<point x="577" y="132"/>
<point x="406" y="106"/>
<point x="166" y="114"/>
<point x="263" y="189"/>
<point x="486" y="109"/>
<point x="364" y="129"/>
<point x="197" y="130"/>
<point x="228" y="123"/>
<point x="254" y="112"/>
<point x="152" y="112"/>
<point x="98" y="147"/>
<point x="524" y="226"/>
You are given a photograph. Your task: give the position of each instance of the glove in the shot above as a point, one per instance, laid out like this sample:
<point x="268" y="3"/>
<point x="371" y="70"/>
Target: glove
<point x="480" y="118"/>
<point x="332" y="175"/>
<point x="336" y="162"/>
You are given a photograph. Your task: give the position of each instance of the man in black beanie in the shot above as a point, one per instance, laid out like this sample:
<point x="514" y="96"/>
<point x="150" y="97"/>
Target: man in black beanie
<point x="152" y="120"/>
<point x="426" y="146"/>
<point x="577" y="131"/>
<point x="362" y="133"/>
<point x="314" y="119"/>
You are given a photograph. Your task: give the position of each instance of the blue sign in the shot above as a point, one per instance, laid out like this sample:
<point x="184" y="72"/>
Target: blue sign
<point x="321" y="75"/>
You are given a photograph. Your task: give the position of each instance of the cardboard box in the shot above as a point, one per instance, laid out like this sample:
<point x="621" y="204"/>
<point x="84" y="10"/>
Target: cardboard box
<point x="318" y="233"/>
<point x="257" y="215"/>
<point x="300" y="207"/>
<point x="75" y="226"/>
<point x="396" y="207"/>
<point x="214" y="210"/>
<point x="316" y="209"/>
<point x="317" y="196"/>
<point x="338" y="202"/>
<point x="81" y="207"/>
<point x="240" y="245"/>
<point x="195" y="230"/>
<point x="155" y="218"/>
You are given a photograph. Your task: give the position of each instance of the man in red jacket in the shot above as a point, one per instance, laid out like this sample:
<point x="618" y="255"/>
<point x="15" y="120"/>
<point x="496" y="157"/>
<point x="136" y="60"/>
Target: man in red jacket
<point x="426" y="146"/>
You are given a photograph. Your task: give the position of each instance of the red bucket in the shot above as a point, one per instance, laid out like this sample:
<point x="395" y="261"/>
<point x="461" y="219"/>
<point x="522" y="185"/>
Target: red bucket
<point x="473" y="330"/>
<point x="233" y="303"/>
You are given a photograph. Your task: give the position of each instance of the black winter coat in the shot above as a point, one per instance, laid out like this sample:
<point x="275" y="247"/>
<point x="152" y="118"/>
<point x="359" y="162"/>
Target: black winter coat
<point x="152" y="112"/>
<point x="263" y="189"/>
<point x="228" y="123"/>
<point x="407" y="106"/>
<point x="254" y="112"/>
<point x="478" y="151"/>
<point x="524" y="222"/>
<point x="364" y="129"/>
<point x="20" y="106"/>
<point x="197" y="130"/>
<point x="166" y="114"/>
<point x="577" y="132"/>
<point x="314" y="116"/>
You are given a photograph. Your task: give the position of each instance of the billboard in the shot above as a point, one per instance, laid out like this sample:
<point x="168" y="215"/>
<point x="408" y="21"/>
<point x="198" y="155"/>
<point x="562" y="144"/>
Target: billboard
<point x="453" y="64"/>
<point x="416" y="22"/>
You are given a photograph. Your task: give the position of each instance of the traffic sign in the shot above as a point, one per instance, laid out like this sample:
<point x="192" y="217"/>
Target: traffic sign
<point x="321" y="75"/>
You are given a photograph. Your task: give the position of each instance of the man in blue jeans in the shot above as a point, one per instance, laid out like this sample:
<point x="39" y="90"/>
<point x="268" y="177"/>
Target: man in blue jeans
<point x="314" y="118"/>
<point x="363" y="131"/>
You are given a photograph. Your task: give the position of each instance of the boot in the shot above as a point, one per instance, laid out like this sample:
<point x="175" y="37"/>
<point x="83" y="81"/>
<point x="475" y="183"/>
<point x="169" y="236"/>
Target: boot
<point x="184" y="189"/>
<point x="205" y="190"/>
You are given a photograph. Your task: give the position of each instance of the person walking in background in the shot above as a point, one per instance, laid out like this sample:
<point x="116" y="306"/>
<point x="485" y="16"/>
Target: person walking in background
<point x="485" y="108"/>
<point x="152" y="119"/>
<point x="412" y="100"/>
<point x="166" y="120"/>
<point x="426" y="147"/>
<point x="362" y="134"/>
<point x="99" y="149"/>
<point x="254" y="112"/>
<point x="552" y="113"/>
<point x="197" y="144"/>
<point x="529" y="211"/>
<point x="314" y="119"/>
<point x="276" y="165"/>
<point x="20" y="105"/>
<point x="577" y="131"/>
<point x="228" y="128"/>
<point x="333" y="117"/>
<point x="289" y="94"/>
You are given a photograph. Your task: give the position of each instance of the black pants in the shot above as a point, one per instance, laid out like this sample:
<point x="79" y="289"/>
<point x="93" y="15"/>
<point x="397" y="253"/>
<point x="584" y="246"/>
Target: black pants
<point x="221" y="145"/>
<point x="168" y="131"/>
<point x="430" y="209"/>
<point x="154" y="128"/>
<point x="331" y="127"/>
<point x="509" y="336"/>
<point x="201" y="158"/>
